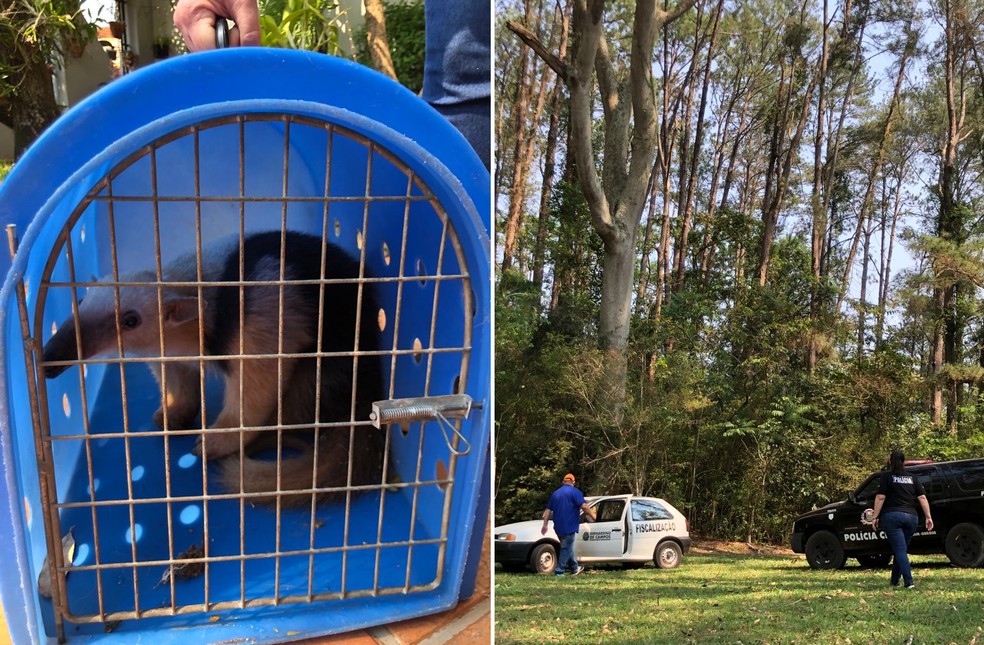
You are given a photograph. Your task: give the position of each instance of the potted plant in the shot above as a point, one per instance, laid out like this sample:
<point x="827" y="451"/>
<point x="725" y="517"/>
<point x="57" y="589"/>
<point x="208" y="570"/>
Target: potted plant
<point x="117" y="28"/>
<point x="162" y="47"/>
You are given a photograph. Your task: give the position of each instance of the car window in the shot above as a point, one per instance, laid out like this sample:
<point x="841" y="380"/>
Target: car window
<point x="932" y="483"/>
<point x="610" y="510"/>
<point x="644" y="510"/>
<point x="970" y="476"/>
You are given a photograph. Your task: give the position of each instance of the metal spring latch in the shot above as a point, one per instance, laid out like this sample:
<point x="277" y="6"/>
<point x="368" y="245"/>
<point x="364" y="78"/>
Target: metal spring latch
<point x="427" y="408"/>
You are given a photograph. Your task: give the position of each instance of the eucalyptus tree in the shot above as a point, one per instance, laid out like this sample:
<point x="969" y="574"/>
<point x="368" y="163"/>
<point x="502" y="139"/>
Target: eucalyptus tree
<point x="954" y="126"/>
<point x="614" y="180"/>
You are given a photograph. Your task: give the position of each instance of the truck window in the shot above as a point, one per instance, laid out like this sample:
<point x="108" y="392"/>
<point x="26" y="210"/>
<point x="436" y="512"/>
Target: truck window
<point x="969" y="477"/>
<point x="865" y="494"/>
<point x="931" y="482"/>
<point x="645" y="510"/>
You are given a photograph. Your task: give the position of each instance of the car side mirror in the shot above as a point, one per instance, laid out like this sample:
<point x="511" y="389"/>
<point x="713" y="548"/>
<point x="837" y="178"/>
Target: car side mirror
<point x="852" y="498"/>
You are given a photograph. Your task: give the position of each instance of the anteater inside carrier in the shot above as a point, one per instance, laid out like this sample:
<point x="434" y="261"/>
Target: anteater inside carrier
<point x="215" y="362"/>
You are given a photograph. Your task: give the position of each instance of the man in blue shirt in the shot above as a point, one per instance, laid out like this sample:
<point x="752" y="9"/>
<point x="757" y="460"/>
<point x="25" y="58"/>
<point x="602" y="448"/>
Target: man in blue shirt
<point x="565" y="508"/>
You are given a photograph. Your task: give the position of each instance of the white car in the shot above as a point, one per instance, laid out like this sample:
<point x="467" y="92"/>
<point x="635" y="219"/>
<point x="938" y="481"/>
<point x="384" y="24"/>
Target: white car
<point x="628" y="529"/>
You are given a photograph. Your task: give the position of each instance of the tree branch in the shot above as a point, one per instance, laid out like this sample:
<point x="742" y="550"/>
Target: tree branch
<point x="587" y="25"/>
<point x="666" y="17"/>
<point x="548" y="57"/>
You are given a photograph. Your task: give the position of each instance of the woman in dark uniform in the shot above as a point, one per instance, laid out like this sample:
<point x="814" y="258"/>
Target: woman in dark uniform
<point x="896" y="512"/>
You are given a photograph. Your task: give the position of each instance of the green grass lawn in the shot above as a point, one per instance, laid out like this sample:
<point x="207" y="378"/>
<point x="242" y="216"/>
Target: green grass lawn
<point x="742" y="599"/>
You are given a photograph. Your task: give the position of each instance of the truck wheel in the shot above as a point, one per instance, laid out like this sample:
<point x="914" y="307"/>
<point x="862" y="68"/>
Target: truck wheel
<point x="879" y="561"/>
<point x="668" y="555"/>
<point x="543" y="559"/>
<point x="965" y="545"/>
<point x="824" y="551"/>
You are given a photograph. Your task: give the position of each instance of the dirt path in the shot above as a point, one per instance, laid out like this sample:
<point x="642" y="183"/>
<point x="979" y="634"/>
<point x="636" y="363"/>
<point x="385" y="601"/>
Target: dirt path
<point x="706" y="546"/>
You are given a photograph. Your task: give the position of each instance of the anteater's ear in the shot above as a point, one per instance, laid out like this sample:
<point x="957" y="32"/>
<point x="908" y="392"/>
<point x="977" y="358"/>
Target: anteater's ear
<point x="180" y="310"/>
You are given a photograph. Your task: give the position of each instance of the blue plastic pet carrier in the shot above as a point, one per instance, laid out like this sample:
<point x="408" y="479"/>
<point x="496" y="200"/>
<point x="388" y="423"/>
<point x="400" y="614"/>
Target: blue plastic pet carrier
<point x="116" y="530"/>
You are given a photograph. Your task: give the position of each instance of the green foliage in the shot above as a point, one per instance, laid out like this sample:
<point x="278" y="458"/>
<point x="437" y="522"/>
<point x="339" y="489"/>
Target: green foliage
<point x="42" y="28"/>
<point x="405" y="33"/>
<point x="5" y="168"/>
<point x="723" y="418"/>
<point x="737" y="598"/>
<point x="748" y="404"/>
<point x="300" y="24"/>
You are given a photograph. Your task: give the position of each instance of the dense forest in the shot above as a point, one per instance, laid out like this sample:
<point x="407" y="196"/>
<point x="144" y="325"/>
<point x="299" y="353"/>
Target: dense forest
<point x="739" y="249"/>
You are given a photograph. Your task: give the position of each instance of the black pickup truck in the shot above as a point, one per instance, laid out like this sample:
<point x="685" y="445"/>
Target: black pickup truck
<point x="955" y="490"/>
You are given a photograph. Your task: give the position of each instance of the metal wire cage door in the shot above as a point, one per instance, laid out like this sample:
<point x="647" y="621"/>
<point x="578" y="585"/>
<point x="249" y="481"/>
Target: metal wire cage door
<point x="138" y="522"/>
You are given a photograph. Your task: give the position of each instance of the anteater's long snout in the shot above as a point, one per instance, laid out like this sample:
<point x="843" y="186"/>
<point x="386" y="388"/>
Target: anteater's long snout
<point x="61" y="347"/>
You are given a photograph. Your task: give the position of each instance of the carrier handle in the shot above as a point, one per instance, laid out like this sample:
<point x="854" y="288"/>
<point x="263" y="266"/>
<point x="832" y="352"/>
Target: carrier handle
<point x="221" y="33"/>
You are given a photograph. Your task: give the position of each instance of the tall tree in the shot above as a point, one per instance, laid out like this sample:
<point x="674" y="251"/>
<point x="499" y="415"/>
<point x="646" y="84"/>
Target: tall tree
<point x="376" y="36"/>
<point x="615" y="195"/>
<point x="787" y="124"/>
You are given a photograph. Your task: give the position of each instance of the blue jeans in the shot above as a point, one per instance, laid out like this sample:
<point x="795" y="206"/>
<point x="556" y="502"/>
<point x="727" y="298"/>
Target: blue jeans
<point x="566" y="558"/>
<point x="900" y="527"/>
<point x="457" y="72"/>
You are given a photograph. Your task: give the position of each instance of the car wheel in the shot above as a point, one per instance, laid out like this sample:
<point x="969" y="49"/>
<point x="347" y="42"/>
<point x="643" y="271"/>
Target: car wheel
<point x="879" y="561"/>
<point x="965" y="545"/>
<point x="668" y="555"/>
<point x="543" y="559"/>
<point x="824" y="551"/>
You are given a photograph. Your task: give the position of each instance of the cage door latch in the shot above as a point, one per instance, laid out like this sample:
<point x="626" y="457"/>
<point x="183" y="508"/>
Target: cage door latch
<point x="428" y="408"/>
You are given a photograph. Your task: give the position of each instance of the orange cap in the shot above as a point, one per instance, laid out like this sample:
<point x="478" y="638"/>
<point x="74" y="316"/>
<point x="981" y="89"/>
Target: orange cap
<point x="568" y="477"/>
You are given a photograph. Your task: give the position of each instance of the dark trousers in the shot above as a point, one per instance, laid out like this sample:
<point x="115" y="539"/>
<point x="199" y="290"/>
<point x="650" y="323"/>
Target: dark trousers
<point x="900" y="527"/>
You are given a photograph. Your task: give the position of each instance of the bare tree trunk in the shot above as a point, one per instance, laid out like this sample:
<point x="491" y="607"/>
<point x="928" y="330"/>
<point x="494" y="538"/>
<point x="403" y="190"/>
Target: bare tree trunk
<point x="729" y="178"/>
<point x="563" y="280"/>
<point x="867" y="200"/>
<point x="936" y="401"/>
<point x="665" y="146"/>
<point x="502" y="71"/>
<point x="863" y="296"/>
<point x="886" y="274"/>
<point x="539" y="251"/>
<point x="517" y="188"/>
<point x="950" y="222"/>
<point x="546" y="190"/>
<point x="688" y="211"/>
<point x="376" y="36"/>
<point x="819" y="211"/>
<point x="772" y="207"/>
<point x="645" y="269"/>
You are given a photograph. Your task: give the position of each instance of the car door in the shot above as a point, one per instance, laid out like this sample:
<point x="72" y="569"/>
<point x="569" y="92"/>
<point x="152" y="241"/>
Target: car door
<point x="604" y="538"/>
<point x="649" y="523"/>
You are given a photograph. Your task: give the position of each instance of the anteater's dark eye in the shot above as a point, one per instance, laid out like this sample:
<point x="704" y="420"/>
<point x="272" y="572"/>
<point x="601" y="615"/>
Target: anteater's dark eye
<point x="130" y="320"/>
